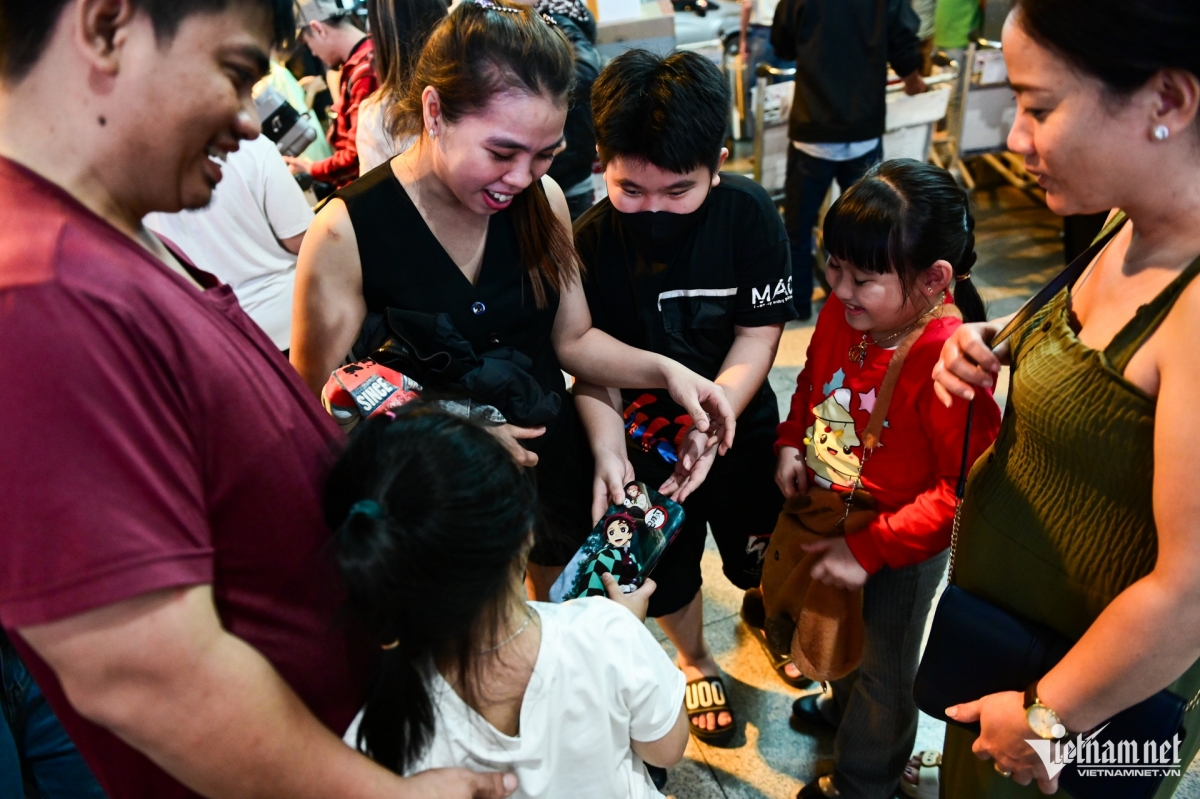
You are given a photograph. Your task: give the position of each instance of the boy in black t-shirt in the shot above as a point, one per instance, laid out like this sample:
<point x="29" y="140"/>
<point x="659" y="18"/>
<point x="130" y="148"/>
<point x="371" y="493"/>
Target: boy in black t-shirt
<point x="694" y="265"/>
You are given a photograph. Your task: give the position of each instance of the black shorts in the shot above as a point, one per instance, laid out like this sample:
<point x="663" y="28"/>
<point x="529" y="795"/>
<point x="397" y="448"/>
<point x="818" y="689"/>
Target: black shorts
<point x="564" y="475"/>
<point x="739" y="501"/>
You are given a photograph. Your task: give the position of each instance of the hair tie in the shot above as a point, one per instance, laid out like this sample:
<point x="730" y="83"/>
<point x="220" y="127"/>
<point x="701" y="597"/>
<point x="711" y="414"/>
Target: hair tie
<point x="492" y="6"/>
<point x="366" y="507"/>
<point x="962" y="278"/>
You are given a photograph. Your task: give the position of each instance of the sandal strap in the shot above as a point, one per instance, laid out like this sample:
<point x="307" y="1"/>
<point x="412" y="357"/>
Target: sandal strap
<point x="706" y="695"/>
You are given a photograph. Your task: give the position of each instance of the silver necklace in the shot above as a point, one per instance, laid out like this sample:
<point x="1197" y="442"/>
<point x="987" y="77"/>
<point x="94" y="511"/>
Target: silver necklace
<point x="510" y="638"/>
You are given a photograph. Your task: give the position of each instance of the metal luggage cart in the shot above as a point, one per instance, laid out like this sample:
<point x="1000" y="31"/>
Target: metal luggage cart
<point x="909" y="132"/>
<point x="980" y="120"/>
<point x="909" y="129"/>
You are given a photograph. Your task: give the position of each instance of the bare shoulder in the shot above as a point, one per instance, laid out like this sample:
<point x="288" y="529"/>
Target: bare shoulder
<point x="1182" y="325"/>
<point x="330" y="248"/>
<point x="1171" y="347"/>
<point x="558" y="200"/>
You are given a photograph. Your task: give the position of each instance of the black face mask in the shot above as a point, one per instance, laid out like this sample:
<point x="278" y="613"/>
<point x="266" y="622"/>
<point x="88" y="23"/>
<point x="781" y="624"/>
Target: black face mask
<point x="659" y="228"/>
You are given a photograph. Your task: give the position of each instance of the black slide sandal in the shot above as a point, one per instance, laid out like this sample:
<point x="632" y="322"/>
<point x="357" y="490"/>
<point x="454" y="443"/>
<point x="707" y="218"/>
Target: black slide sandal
<point x="707" y="695"/>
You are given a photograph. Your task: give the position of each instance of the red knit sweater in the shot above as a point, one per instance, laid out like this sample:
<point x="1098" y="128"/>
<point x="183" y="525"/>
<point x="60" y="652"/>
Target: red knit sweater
<point x="913" y="471"/>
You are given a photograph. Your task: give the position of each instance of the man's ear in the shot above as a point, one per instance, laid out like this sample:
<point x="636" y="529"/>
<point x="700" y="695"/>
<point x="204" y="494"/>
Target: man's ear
<point x="721" y="159"/>
<point x="101" y="30"/>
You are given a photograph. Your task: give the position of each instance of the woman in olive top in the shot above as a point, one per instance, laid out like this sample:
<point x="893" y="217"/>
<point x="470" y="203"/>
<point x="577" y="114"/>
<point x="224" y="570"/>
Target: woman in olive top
<point x="1084" y="515"/>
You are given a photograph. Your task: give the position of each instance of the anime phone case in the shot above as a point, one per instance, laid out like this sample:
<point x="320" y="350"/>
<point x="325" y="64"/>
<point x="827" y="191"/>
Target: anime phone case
<point x="627" y="543"/>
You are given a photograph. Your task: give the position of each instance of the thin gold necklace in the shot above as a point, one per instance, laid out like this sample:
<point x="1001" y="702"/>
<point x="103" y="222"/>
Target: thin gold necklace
<point x="858" y="351"/>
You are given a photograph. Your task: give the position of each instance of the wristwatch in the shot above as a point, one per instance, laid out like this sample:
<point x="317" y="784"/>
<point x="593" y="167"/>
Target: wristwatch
<point x="1044" y="722"/>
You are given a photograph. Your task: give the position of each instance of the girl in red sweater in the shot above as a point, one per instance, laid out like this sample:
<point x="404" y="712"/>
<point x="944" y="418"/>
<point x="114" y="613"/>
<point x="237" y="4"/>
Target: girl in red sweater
<point x="896" y="242"/>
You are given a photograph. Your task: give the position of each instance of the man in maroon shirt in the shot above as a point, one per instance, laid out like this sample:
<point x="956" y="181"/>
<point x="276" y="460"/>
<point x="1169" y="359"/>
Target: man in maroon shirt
<point x="327" y="30"/>
<point x="164" y="563"/>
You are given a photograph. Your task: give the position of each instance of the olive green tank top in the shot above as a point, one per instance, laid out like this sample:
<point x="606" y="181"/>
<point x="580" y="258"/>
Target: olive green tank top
<point x="1058" y="517"/>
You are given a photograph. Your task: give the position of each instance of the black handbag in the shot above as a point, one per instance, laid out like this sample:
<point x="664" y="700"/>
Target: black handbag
<point x="976" y="649"/>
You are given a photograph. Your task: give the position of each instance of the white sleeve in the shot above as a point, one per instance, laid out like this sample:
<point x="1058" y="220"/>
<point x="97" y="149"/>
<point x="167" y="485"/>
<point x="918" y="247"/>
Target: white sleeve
<point x="288" y="212"/>
<point x="374" y="144"/>
<point x="650" y="685"/>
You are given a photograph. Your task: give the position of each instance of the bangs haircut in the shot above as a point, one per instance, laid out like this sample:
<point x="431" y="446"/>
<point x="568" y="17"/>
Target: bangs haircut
<point x="26" y="27"/>
<point x="902" y="217"/>
<point x="667" y="111"/>
<point x="864" y="228"/>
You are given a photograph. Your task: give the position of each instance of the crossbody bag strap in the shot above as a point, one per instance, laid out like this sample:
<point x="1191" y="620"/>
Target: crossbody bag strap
<point x="1065" y="278"/>
<point x="891" y="377"/>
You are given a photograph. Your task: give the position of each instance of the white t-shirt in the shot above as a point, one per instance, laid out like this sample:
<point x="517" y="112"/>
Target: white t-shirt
<point x="374" y="142"/>
<point x="600" y="680"/>
<point x="236" y="237"/>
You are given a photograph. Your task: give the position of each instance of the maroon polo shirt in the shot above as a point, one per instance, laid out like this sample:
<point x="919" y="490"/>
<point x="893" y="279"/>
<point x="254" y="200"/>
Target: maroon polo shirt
<point x="154" y="438"/>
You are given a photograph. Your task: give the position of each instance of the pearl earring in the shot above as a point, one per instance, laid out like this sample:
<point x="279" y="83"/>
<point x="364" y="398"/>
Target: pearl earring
<point x="1162" y="133"/>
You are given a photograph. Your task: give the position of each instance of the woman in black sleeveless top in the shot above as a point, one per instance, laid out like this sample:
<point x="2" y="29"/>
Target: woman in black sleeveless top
<point x="448" y="227"/>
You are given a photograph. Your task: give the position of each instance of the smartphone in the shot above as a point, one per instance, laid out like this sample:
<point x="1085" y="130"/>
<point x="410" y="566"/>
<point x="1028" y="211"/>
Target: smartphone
<point x="627" y="544"/>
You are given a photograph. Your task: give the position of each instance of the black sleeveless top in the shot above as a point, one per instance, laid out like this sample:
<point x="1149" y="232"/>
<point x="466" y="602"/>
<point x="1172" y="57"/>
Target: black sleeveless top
<point x="404" y="266"/>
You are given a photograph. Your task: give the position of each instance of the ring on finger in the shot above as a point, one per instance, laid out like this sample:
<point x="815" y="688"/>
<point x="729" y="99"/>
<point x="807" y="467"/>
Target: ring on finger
<point x="1001" y="771"/>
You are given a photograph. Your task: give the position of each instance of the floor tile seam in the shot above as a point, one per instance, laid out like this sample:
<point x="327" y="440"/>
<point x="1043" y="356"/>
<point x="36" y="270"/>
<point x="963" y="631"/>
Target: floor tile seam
<point x="712" y="772"/>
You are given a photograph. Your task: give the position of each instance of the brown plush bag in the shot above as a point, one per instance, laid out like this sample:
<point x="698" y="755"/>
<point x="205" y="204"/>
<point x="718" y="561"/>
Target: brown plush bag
<point x="819" y="626"/>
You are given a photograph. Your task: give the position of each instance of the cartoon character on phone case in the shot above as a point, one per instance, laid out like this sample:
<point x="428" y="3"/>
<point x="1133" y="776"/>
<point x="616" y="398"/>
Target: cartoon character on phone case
<point x="636" y="496"/>
<point x="615" y="556"/>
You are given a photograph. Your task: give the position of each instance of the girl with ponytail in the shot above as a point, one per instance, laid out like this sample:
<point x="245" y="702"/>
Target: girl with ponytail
<point x="866" y="428"/>
<point x="434" y="526"/>
<point x="465" y="223"/>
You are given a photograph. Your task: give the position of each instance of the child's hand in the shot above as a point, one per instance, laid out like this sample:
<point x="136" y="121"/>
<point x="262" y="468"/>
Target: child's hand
<point x="790" y="473"/>
<point x="638" y="603"/>
<point x="511" y="437"/>
<point x="613" y="473"/>
<point x="837" y="565"/>
<point x="696" y="456"/>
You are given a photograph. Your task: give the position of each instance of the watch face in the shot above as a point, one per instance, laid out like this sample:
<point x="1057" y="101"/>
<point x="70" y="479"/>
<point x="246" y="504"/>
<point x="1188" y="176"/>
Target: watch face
<point x="1044" y="722"/>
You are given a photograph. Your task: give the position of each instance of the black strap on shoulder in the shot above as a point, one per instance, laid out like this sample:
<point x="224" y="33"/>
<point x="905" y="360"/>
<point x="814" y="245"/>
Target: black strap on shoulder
<point x="1065" y="278"/>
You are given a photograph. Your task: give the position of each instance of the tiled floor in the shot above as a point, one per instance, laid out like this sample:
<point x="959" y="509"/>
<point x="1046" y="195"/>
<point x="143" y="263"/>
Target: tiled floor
<point x="1019" y="250"/>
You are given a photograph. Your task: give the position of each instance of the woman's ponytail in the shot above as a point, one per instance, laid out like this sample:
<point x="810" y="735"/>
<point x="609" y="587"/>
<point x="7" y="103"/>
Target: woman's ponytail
<point x="545" y="244"/>
<point x="966" y="296"/>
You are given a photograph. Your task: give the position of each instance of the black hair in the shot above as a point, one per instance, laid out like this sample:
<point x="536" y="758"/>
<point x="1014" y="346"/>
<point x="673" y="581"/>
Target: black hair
<point x="668" y="111"/>
<point x="1121" y="42"/>
<point x="399" y="29"/>
<point x="902" y="217"/>
<point x="432" y="517"/>
<point x="483" y="49"/>
<point x="26" y="27"/>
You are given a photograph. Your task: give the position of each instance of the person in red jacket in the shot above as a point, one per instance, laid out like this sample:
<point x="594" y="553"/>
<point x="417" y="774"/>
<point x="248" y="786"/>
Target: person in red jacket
<point x="326" y="28"/>
<point x="896" y="241"/>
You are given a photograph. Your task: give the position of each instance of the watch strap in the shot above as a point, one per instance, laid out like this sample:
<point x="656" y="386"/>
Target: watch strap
<point x="1031" y="695"/>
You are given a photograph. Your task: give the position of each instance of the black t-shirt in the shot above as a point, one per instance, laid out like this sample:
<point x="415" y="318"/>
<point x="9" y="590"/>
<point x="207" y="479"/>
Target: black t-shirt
<point x="680" y="292"/>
